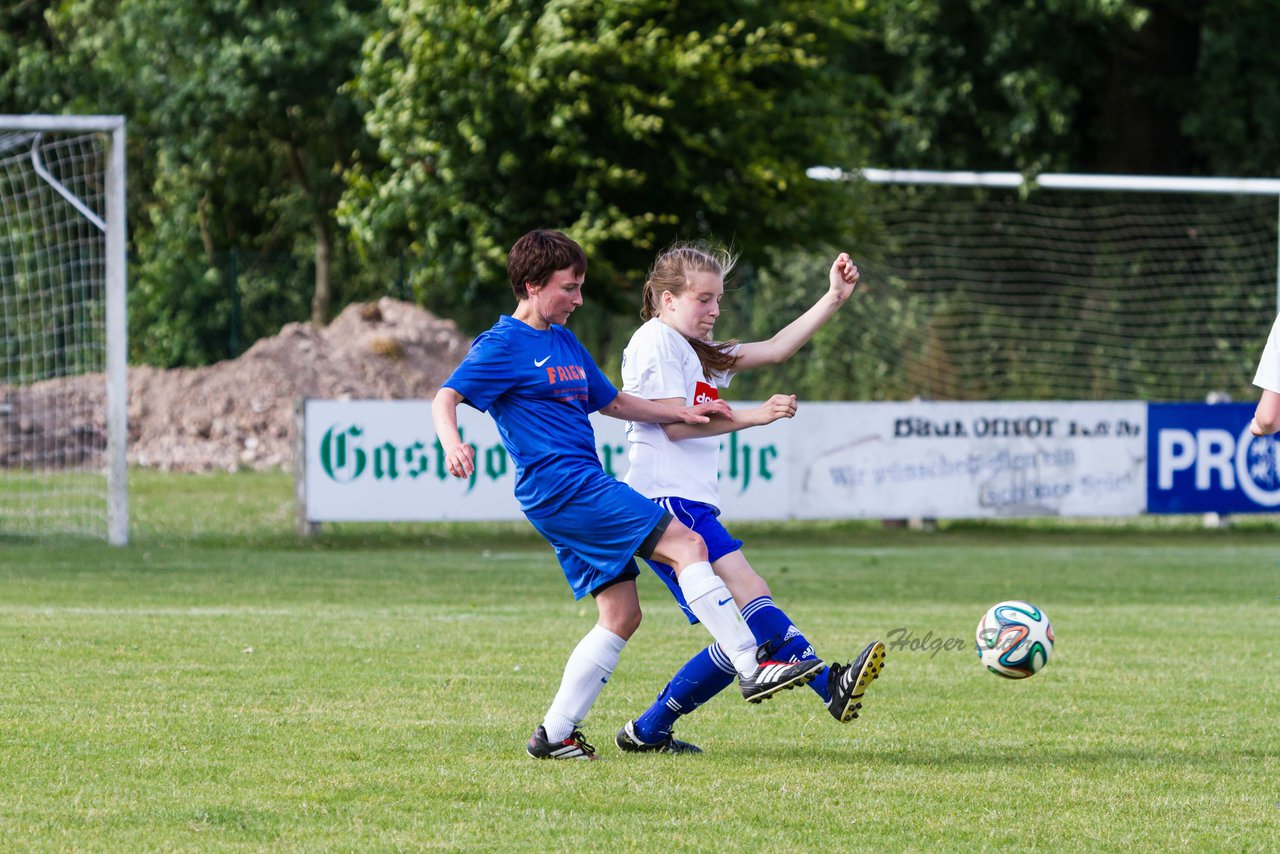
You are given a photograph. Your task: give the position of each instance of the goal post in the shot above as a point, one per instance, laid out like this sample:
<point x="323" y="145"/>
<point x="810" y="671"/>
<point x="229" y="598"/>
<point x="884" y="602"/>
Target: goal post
<point x="63" y="326"/>
<point x="999" y="285"/>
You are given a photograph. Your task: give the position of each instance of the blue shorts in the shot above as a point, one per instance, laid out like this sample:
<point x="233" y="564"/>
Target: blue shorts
<point x="596" y="533"/>
<point x="702" y="518"/>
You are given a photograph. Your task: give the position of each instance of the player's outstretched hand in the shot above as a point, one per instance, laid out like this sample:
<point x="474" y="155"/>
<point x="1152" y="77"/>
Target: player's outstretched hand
<point x="844" y="277"/>
<point x="701" y="413"/>
<point x="460" y="460"/>
<point x="778" y="406"/>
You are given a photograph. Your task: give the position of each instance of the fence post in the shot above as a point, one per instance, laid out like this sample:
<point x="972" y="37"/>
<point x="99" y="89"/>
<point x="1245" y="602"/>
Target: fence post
<point x="304" y="527"/>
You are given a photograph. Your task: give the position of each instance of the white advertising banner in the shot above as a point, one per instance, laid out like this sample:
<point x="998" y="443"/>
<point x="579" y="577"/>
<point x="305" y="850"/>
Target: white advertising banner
<point x="970" y="460"/>
<point x="380" y="461"/>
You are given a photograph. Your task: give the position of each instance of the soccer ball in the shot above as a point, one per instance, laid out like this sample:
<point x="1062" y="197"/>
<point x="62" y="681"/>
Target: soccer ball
<point x="1014" y="639"/>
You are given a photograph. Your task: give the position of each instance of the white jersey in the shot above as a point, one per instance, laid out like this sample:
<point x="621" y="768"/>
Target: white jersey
<point x="659" y="363"/>
<point x="1268" y="375"/>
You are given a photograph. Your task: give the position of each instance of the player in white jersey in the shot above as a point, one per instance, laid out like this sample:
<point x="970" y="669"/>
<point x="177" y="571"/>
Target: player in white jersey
<point x="673" y="357"/>
<point x="1266" y="419"/>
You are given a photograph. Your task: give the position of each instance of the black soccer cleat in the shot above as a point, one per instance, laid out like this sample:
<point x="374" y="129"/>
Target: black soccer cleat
<point x="573" y="747"/>
<point x="774" y="676"/>
<point x="629" y="743"/>
<point x="847" y="685"/>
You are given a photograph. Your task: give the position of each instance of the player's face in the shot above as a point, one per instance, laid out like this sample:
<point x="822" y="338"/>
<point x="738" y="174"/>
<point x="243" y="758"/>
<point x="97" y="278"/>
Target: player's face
<point x="694" y="312"/>
<point x="557" y="299"/>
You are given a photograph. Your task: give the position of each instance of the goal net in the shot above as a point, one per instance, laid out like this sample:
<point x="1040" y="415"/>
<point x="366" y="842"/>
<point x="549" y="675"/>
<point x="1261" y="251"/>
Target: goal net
<point x="1075" y="287"/>
<point x="62" y="330"/>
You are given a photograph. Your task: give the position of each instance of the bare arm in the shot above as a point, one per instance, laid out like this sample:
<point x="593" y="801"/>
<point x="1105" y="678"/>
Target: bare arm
<point x="843" y="280"/>
<point x="628" y="407"/>
<point x="778" y="406"/>
<point x="459" y="457"/>
<point x="1266" y="419"/>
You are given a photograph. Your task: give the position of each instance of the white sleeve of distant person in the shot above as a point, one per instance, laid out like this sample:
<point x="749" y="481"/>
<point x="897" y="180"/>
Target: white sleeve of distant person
<point x="1268" y="375"/>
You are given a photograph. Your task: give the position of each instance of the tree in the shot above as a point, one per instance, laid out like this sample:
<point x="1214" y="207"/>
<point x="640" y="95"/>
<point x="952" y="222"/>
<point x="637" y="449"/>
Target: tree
<point x="1234" y="119"/>
<point x="627" y="124"/>
<point x="240" y="130"/>
<point x="246" y="107"/>
<point x="1145" y="86"/>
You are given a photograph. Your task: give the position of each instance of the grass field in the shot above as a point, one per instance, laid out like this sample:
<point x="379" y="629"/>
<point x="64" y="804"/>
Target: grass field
<point x="220" y="685"/>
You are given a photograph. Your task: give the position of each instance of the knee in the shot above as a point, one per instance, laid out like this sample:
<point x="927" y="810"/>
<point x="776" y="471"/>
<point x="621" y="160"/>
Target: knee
<point x="684" y="547"/>
<point x="623" y="623"/>
<point x="754" y="587"/>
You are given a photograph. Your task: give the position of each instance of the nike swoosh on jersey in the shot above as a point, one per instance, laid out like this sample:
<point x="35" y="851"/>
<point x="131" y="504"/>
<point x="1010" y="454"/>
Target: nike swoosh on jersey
<point x="722" y="601"/>
<point x="539" y="364"/>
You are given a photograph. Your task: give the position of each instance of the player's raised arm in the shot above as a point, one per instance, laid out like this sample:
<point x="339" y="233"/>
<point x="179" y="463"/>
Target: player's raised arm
<point x="459" y="457"/>
<point x="842" y="282"/>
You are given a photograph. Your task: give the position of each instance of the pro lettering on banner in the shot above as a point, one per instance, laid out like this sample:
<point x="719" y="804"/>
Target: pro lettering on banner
<point x="1205" y="460"/>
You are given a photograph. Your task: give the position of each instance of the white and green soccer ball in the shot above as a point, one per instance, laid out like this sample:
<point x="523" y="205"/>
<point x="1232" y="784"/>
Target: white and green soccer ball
<point x="1014" y="639"/>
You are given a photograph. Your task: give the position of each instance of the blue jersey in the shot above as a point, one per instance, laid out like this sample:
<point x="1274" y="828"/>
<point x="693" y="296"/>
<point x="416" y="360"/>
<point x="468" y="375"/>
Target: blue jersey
<point x="539" y="386"/>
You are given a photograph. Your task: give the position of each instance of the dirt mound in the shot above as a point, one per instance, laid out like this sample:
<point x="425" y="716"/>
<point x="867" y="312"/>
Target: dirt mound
<point x="238" y="413"/>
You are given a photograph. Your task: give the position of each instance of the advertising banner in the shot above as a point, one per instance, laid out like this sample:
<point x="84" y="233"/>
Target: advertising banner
<point x="972" y="460"/>
<point x="380" y="461"/>
<point x="377" y="460"/>
<point x="1205" y="460"/>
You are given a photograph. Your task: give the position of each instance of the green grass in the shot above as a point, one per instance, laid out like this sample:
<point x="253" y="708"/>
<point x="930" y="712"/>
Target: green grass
<point x="221" y="685"/>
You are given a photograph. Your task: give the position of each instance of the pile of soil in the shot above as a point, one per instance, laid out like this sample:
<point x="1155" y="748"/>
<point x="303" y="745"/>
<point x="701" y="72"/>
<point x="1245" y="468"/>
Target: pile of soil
<point x="238" y="413"/>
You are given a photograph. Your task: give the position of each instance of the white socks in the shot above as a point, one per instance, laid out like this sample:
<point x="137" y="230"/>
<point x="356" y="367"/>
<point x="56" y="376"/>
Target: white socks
<point x="596" y="655"/>
<point x="585" y="675"/>
<point x="713" y="605"/>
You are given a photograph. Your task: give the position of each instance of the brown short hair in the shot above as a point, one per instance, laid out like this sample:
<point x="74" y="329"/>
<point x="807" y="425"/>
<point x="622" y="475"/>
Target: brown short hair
<point x="539" y="254"/>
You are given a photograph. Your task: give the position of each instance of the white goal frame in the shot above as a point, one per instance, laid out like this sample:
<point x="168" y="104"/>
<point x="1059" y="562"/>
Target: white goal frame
<point x="1067" y="181"/>
<point x="114" y="226"/>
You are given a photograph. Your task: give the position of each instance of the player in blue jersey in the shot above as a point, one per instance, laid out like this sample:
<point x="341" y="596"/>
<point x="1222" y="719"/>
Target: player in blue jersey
<point x="539" y="383"/>
<point x="673" y="359"/>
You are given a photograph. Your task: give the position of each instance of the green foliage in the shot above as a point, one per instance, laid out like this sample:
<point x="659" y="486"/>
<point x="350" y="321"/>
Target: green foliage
<point x="239" y="129"/>
<point x="628" y="124"/>
<point x="1234" y="117"/>
<point x="625" y="124"/>
<point x="980" y="84"/>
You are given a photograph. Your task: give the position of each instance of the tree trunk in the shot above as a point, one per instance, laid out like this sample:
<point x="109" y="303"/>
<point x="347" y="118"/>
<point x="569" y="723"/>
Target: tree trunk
<point x="321" y="227"/>
<point x="322" y="297"/>
<point x="1151" y="80"/>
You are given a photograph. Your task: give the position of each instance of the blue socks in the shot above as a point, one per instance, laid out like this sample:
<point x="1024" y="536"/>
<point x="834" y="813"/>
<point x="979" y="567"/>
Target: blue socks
<point x="702" y="677"/>
<point x="775" y="631"/>
<point x="710" y="671"/>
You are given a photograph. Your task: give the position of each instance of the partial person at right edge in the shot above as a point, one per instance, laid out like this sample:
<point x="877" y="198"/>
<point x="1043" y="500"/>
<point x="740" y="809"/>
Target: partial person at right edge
<point x="1266" y="419"/>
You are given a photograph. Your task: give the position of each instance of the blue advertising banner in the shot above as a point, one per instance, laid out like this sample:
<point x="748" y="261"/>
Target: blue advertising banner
<point x="1202" y="459"/>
